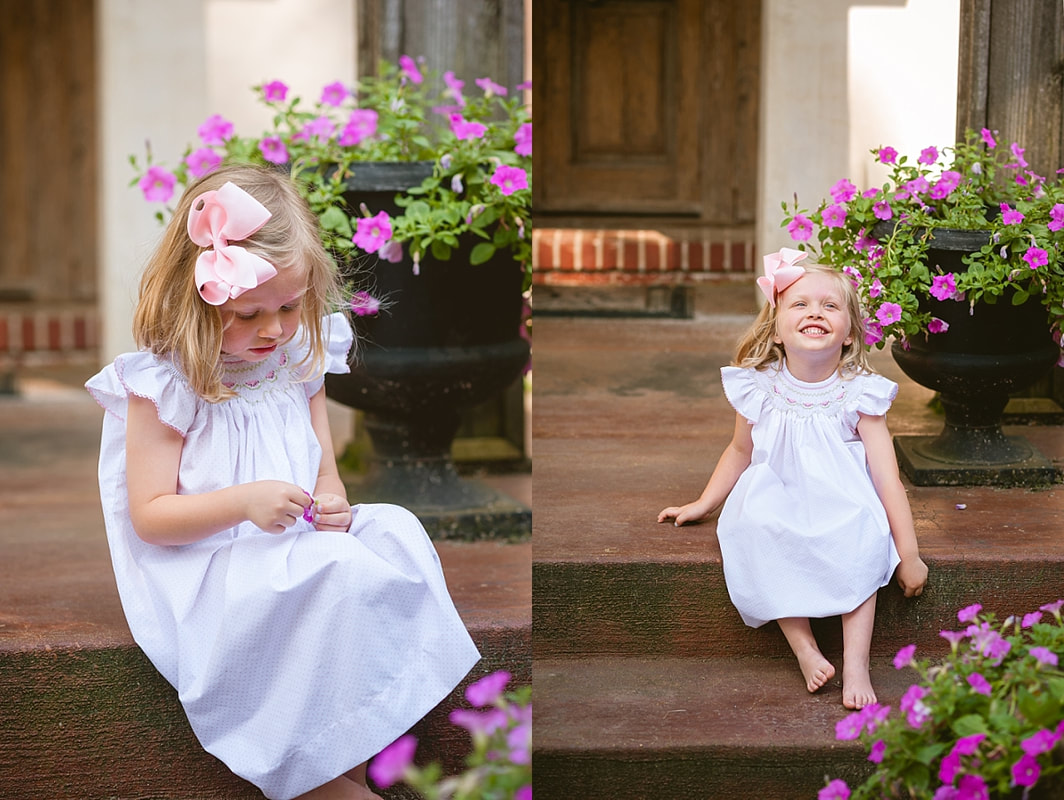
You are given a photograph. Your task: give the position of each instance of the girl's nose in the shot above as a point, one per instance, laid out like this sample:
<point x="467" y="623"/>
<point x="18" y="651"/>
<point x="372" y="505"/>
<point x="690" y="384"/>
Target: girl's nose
<point x="271" y="327"/>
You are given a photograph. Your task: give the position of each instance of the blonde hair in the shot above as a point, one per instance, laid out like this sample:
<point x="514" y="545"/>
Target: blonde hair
<point x="172" y="319"/>
<point x="758" y="348"/>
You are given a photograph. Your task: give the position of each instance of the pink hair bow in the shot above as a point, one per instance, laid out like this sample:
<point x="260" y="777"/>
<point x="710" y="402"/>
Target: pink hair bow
<point x="781" y="270"/>
<point x="227" y="270"/>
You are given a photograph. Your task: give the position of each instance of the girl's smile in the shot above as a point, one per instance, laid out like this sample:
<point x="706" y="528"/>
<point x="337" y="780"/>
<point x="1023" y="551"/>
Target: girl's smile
<point x="812" y="316"/>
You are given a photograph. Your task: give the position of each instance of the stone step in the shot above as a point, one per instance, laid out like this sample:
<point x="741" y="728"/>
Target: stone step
<point x="83" y="712"/>
<point x="628" y="728"/>
<point x="655" y="601"/>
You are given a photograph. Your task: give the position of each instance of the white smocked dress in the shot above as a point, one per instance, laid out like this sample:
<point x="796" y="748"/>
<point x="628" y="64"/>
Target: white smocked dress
<point x="296" y="656"/>
<point x="803" y="533"/>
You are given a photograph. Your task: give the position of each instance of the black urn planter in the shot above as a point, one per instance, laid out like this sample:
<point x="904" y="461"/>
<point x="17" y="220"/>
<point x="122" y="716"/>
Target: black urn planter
<point x="447" y="338"/>
<point x="989" y="351"/>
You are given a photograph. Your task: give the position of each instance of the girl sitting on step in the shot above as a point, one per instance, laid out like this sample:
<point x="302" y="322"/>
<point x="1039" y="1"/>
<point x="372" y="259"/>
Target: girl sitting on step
<point x="303" y="634"/>
<point x="815" y="518"/>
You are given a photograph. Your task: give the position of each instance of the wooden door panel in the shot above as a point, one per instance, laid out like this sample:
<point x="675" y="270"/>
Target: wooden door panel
<point x="646" y="108"/>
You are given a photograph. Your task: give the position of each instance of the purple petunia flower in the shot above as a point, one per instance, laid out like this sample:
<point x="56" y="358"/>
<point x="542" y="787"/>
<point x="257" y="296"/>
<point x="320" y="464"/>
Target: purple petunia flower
<point x="215" y="130"/>
<point x="373" y="232"/>
<point x="843" y="191"/>
<point x="488" y="689"/>
<point x="877" y="751"/>
<point x="334" y="94"/>
<point x="361" y="125"/>
<point x="979" y="684"/>
<point x="937" y="325"/>
<point x="157" y="184"/>
<point x="410" y="69"/>
<point x="1043" y="655"/>
<point x="882" y="210"/>
<point x="273" y="150"/>
<point x="490" y="87"/>
<point x="836" y="790"/>
<point x="1036" y="257"/>
<point x="454" y="87"/>
<point x="1025" y="772"/>
<point x="391" y="763"/>
<point x="464" y="129"/>
<point x="904" y="657"/>
<point x="988" y="138"/>
<point x="968" y="613"/>
<point x="1041" y="742"/>
<point x="800" y="228"/>
<point x="202" y="162"/>
<point x="834" y="216"/>
<point x="929" y="155"/>
<point x="274" y="92"/>
<point x="1056" y="217"/>
<point x="509" y="179"/>
<point x="1009" y="215"/>
<point x="943" y="287"/>
<point x="887" y="155"/>
<point x="888" y="313"/>
<point x="523" y="140"/>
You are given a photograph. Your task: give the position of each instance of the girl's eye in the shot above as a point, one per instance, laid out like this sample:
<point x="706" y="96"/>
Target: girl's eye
<point x="246" y="317"/>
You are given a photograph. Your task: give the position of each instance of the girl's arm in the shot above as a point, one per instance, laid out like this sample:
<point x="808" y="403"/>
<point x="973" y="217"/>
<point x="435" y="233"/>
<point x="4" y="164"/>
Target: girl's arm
<point x="332" y="512"/>
<point x="733" y="461"/>
<point x="883" y="466"/>
<point x="162" y="516"/>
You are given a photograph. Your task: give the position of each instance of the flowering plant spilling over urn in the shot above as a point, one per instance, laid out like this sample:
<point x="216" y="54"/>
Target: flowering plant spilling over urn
<point x="477" y="141"/>
<point x="985" y="721"/>
<point x="880" y="236"/>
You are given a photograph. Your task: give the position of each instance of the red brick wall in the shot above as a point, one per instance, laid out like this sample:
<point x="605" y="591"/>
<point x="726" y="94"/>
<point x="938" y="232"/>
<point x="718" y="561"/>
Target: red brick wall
<point x="585" y="256"/>
<point x="41" y="330"/>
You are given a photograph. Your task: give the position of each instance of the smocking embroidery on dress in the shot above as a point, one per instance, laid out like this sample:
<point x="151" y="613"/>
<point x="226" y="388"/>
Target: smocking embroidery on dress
<point x="246" y="379"/>
<point x="805" y="399"/>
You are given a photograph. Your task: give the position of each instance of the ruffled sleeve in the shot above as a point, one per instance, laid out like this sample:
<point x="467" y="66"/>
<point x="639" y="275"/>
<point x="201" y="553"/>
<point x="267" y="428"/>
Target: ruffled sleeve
<point x="338" y="340"/>
<point x="144" y="375"/>
<point x="743" y="391"/>
<point x="871" y="395"/>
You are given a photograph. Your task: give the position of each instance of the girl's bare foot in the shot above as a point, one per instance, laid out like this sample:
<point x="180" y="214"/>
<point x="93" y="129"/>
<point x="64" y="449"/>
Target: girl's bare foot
<point x="816" y="669"/>
<point x="341" y="788"/>
<point x="857" y="691"/>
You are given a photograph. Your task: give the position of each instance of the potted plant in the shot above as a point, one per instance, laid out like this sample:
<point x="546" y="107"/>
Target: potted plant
<point x="959" y="259"/>
<point x="987" y="720"/>
<point x="422" y="187"/>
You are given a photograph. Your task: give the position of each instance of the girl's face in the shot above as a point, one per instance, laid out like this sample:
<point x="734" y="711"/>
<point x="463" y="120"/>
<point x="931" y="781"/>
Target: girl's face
<point x="264" y="318"/>
<point x="812" y="316"/>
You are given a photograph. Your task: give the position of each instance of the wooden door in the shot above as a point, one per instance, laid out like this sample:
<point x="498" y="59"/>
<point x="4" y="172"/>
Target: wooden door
<point x="47" y="152"/>
<point x="646" y="108"/>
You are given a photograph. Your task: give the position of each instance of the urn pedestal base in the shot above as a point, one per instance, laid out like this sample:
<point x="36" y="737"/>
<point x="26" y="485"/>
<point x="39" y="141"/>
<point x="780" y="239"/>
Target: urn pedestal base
<point x="924" y="465"/>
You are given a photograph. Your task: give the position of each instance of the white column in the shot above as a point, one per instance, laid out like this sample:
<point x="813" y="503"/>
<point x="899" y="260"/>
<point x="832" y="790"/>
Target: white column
<point x="151" y="85"/>
<point x="804" y="127"/>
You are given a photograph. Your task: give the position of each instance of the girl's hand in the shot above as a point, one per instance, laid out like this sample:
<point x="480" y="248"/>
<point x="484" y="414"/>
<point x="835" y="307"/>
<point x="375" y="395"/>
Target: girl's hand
<point x="692" y="512"/>
<point x="332" y="512"/>
<point x="274" y="506"/>
<point x="912" y="575"/>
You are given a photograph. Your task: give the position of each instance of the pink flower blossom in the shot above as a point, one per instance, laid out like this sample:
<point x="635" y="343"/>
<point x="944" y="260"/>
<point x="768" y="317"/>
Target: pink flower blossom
<point x="373" y="232"/>
<point x="882" y="210"/>
<point x="391" y="763"/>
<point x="1031" y="619"/>
<point x="273" y="150"/>
<point x="834" y="216"/>
<point x="1025" y="772"/>
<point x="800" y="228"/>
<point x="943" y="287"/>
<point x="488" y="689"/>
<point x="510" y="179"/>
<point x="988" y="138"/>
<point x="849" y="727"/>
<point x="836" y="790"/>
<point x="523" y="139"/>
<point x="391" y="251"/>
<point x="876" y="289"/>
<point x="1041" y="742"/>
<point x="215" y="130"/>
<point x="888" y="313"/>
<point x="1043" y="655"/>
<point x="334" y="94"/>
<point x="843" y="191"/>
<point x="967" y="745"/>
<point x="410" y="69"/>
<point x="1036" y="257"/>
<point x="363" y="304"/>
<point x="950" y="766"/>
<point x="873" y="332"/>
<point x="1056" y="217"/>
<point x="1017" y="153"/>
<point x="1053" y="608"/>
<point x="887" y="155"/>
<point x="953" y="637"/>
<point x="524" y="793"/>
<point x="929" y="155"/>
<point x="877" y="751"/>
<point x="937" y="325"/>
<point x="361" y="125"/>
<point x="320" y="128"/>
<point x="157" y="184"/>
<point x="202" y="162"/>
<point x="454" y="87"/>
<point x="490" y="87"/>
<point x="980" y="684"/>
<point x="1009" y="215"/>
<point x="912" y="705"/>
<point x="904" y="656"/>
<point x="944" y="186"/>
<point x="464" y="129"/>
<point x="968" y="613"/>
<point x="916" y="186"/>
<point x="274" y="92"/>
<point x="481" y="722"/>
<point x="972" y="787"/>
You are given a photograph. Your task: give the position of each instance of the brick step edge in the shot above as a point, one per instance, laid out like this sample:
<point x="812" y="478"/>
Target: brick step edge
<point x="665" y="609"/>
<point x="101" y="723"/>
<point x="723" y="727"/>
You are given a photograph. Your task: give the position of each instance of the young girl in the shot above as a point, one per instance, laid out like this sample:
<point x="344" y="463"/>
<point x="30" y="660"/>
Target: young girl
<point x="302" y="634"/>
<point x="816" y="518"/>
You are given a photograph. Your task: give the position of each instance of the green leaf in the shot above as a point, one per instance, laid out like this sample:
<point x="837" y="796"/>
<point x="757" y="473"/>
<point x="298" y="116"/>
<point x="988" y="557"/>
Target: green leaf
<point x="1020" y="297"/>
<point x="482" y="253"/>
<point x="333" y="219"/>
<point x="969" y="724"/>
<point x="440" y="251"/>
